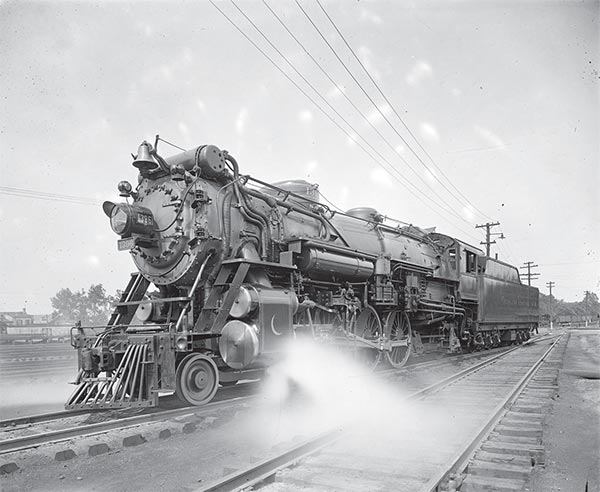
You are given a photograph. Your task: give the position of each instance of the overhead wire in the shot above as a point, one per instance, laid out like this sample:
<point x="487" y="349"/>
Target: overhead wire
<point x="334" y="110"/>
<point x="42" y="195"/>
<point x="352" y="137"/>
<point x="378" y="110"/>
<point x="464" y="197"/>
<point x="356" y="108"/>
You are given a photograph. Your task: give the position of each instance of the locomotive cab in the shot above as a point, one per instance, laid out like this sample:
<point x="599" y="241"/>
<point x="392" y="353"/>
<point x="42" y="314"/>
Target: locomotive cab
<point x="470" y="260"/>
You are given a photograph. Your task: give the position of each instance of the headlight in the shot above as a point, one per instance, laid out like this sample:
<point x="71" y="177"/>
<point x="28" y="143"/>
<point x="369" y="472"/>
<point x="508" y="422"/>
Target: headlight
<point x="127" y="219"/>
<point x="119" y="220"/>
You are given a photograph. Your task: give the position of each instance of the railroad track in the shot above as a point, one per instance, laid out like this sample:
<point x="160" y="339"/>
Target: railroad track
<point x="21" y="443"/>
<point x="391" y="452"/>
<point x="28" y="420"/>
<point x="76" y="428"/>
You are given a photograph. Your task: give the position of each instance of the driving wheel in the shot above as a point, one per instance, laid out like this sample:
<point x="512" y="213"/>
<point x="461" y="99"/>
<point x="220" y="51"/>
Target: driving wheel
<point x="368" y="326"/>
<point x="398" y="329"/>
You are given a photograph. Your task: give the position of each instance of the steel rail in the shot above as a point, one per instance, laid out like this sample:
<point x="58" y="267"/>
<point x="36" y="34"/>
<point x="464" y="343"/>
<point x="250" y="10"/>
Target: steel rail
<point x="460" y="356"/>
<point x="10" y="424"/>
<point x="35" y="440"/>
<point x="258" y="472"/>
<point x="459" y="463"/>
<point x="266" y="468"/>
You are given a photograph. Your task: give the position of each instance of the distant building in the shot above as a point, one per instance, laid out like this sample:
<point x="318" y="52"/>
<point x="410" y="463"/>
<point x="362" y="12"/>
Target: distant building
<point x="17" y="318"/>
<point x="23" y="318"/>
<point x="575" y="319"/>
<point x="21" y="327"/>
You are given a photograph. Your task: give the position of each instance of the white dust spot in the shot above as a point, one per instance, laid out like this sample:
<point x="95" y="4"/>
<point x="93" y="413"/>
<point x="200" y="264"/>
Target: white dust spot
<point x="93" y="260"/>
<point x="381" y="177"/>
<point x="311" y="166"/>
<point x="183" y="128"/>
<point x="468" y="212"/>
<point x="305" y="116"/>
<point x="240" y="122"/>
<point x="336" y="91"/>
<point x="419" y="72"/>
<point x="365" y="55"/>
<point x="489" y="137"/>
<point x="377" y="115"/>
<point x="368" y="16"/>
<point x="166" y="72"/>
<point x="429" y="132"/>
<point x="430" y="175"/>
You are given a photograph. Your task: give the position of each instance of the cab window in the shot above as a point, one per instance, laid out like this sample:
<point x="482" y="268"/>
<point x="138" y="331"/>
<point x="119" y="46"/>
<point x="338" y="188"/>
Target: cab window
<point x="452" y="258"/>
<point x="471" y="265"/>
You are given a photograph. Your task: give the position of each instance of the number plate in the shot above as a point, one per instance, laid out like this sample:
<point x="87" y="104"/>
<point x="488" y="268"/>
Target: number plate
<point x="123" y="244"/>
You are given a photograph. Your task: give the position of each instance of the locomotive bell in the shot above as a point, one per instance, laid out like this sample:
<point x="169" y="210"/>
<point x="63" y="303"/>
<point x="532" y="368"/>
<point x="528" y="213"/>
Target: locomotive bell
<point x="144" y="160"/>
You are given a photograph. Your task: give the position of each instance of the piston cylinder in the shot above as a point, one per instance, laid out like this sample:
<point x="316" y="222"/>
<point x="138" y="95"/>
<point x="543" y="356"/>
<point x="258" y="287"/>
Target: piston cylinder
<point x="263" y="326"/>
<point x="323" y="263"/>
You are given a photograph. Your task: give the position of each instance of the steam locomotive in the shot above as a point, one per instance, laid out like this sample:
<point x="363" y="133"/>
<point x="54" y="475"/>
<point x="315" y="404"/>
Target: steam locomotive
<point x="240" y="267"/>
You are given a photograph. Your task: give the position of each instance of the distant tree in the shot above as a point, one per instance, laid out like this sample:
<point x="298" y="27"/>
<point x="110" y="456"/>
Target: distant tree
<point x="91" y="308"/>
<point x="590" y="304"/>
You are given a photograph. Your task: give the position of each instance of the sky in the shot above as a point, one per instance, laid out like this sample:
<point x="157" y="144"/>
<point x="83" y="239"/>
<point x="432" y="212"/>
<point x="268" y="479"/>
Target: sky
<point x="452" y="114"/>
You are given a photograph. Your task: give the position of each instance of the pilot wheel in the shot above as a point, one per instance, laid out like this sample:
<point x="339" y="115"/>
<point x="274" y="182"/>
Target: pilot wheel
<point x="197" y="379"/>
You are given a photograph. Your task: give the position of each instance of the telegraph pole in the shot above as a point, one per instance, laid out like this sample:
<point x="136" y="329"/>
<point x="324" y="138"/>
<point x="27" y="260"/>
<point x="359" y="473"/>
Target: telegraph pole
<point x="488" y="226"/>
<point x="529" y="265"/>
<point x="550" y="285"/>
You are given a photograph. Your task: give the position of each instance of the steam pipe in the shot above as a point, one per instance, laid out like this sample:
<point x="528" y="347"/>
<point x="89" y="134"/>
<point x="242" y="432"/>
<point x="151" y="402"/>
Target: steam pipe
<point x="452" y="309"/>
<point x="293" y="208"/>
<point x="234" y="163"/>
<point x="251" y="217"/>
<point x="250" y="214"/>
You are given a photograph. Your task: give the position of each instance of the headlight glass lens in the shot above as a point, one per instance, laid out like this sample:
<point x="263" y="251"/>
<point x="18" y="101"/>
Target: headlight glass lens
<point x="119" y="220"/>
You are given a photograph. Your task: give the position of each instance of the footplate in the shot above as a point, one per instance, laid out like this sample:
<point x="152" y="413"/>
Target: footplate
<point x="130" y="385"/>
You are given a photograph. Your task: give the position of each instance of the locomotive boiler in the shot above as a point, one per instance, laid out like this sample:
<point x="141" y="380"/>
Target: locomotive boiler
<point x="231" y="268"/>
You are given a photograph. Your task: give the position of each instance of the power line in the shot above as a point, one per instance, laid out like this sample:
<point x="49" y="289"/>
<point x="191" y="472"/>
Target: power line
<point x="54" y="197"/>
<point x="398" y="178"/>
<point x="571" y="263"/>
<point x="372" y="102"/>
<point x="388" y="102"/>
<point x="336" y="85"/>
<point x="335" y="111"/>
<point x="353" y="138"/>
